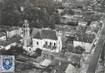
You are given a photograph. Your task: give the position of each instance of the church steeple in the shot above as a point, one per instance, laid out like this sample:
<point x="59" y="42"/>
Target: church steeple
<point x="26" y="34"/>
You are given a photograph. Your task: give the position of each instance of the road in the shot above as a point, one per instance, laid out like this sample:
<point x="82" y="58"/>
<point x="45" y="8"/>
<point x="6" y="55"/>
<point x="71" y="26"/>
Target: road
<point x="97" y="52"/>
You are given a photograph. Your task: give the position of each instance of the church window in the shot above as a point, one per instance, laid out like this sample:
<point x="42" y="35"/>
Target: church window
<point x="54" y="44"/>
<point x="46" y="42"/>
<point x="37" y="43"/>
<point x="50" y="43"/>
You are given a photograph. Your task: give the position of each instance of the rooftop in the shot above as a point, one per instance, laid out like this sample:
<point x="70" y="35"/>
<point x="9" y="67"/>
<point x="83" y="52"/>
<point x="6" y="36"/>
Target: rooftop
<point x="10" y="41"/>
<point x="88" y="38"/>
<point x="46" y="62"/>
<point x="70" y="68"/>
<point x="46" y="34"/>
<point x="34" y="31"/>
<point x="8" y="28"/>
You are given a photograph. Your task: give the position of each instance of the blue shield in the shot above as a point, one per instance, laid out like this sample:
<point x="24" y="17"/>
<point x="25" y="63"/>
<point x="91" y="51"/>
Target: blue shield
<point x="7" y="63"/>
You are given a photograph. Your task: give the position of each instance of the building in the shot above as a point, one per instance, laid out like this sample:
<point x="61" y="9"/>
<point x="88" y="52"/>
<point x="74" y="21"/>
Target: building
<point x="48" y="40"/>
<point x="26" y="35"/>
<point x="13" y="31"/>
<point x="66" y="18"/>
<point x="45" y="63"/>
<point x="44" y="39"/>
<point x="82" y="23"/>
<point x="9" y="42"/>
<point x="94" y="27"/>
<point x="70" y="69"/>
<point x="85" y="41"/>
<point x="58" y="1"/>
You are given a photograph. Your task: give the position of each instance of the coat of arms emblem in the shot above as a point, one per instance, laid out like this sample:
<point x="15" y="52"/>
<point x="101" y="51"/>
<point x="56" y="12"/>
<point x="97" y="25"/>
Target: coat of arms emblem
<point x="7" y="63"/>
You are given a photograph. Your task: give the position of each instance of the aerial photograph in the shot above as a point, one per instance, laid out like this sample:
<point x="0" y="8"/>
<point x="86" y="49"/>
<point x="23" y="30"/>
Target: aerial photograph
<point x="52" y="36"/>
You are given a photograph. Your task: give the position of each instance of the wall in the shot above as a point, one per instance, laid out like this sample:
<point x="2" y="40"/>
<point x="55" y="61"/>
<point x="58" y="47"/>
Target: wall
<point x="8" y="46"/>
<point x="3" y="38"/>
<point x="14" y="32"/>
<point x="42" y="43"/>
<point x="86" y="46"/>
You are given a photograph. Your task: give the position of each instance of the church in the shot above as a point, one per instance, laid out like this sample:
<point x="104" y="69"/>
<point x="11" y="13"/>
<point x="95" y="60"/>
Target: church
<point x="44" y="39"/>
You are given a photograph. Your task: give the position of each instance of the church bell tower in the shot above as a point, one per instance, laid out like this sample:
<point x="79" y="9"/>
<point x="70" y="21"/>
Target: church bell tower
<point x="26" y="34"/>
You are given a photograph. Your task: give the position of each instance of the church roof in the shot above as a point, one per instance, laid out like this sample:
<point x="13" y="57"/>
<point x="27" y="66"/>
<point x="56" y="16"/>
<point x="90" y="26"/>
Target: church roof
<point x="46" y="34"/>
<point x="37" y="35"/>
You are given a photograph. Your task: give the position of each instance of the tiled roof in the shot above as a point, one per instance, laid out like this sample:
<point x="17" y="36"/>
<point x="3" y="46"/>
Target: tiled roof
<point x="46" y="34"/>
<point x="37" y="35"/>
<point x="46" y="62"/>
<point x="70" y="68"/>
<point x="34" y="31"/>
<point x="88" y="38"/>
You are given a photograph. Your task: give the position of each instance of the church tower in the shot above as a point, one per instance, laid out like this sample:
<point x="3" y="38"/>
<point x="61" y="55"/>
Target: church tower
<point x="26" y="34"/>
<point x="59" y="35"/>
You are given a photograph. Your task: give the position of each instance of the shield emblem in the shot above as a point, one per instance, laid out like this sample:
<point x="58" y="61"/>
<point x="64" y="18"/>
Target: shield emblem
<point x="7" y="63"/>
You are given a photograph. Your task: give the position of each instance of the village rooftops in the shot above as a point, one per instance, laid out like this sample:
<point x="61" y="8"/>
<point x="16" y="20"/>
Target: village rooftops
<point x="8" y="28"/>
<point x="10" y="41"/>
<point x="13" y="28"/>
<point x="46" y="34"/>
<point x="87" y="38"/>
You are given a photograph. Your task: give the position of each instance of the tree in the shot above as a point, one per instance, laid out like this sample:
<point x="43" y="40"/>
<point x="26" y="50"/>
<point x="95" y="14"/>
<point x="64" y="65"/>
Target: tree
<point x="99" y="5"/>
<point x="39" y="18"/>
<point x="67" y="48"/>
<point x="10" y="17"/>
<point x="48" y="4"/>
<point x="13" y="16"/>
<point x="11" y="13"/>
<point x="90" y="16"/>
<point x="78" y="50"/>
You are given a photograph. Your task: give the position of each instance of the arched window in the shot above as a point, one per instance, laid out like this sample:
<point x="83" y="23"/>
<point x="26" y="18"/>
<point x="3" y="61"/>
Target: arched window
<point x="54" y="44"/>
<point x="37" y="43"/>
<point x="50" y="43"/>
<point x="29" y="49"/>
<point x="46" y="43"/>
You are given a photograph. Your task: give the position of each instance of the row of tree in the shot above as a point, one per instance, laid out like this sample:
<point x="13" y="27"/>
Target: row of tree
<point x="39" y="14"/>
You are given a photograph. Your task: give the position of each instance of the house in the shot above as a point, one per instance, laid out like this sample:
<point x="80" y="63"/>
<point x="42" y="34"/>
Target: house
<point x="13" y="31"/>
<point x="9" y="42"/>
<point x="66" y="18"/>
<point x="82" y="23"/>
<point x="2" y="36"/>
<point x="94" y="28"/>
<point x="85" y="41"/>
<point x="58" y="1"/>
<point x="70" y="69"/>
<point x="47" y="39"/>
<point x="45" y="63"/>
